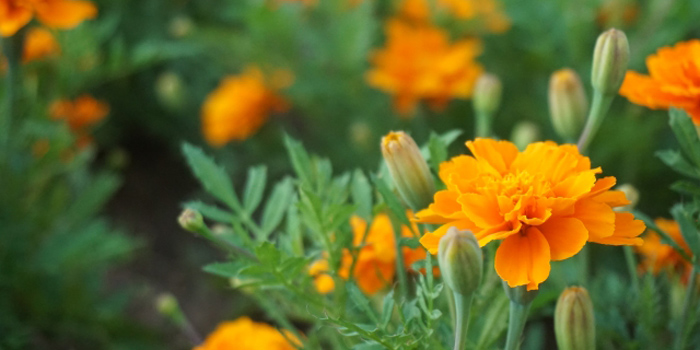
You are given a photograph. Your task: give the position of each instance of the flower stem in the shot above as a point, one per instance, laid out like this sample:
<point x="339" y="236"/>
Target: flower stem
<point x="463" y="306"/>
<point x="516" y="324"/>
<point x="631" y="267"/>
<point x="400" y="270"/>
<point x="483" y="125"/>
<point x="690" y="295"/>
<point x="599" y="107"/>
<point x="12" y="48"/>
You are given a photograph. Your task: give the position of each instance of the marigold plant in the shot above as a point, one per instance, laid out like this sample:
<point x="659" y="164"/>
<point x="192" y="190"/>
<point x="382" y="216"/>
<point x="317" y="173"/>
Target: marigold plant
<point x="241" y="105"/>
<point x="673" y="80"/>
<point x="544" y="203"/>
<point x="60" y="14"/>
<point x="245" y="334"/>
<point x="657" y="256"/>
<point x="80" y="114"/>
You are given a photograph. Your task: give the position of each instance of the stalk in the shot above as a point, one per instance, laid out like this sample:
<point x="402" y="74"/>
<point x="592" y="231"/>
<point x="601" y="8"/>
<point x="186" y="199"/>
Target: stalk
<point x="631" y="267"/>
<point x="688" y="302"/>
<point x="599" y="107"/>
<point x="463" y="306"/>
<point x="516" y="324"/>
<point x="12" y="48"/>
<point x="483" y="125"/>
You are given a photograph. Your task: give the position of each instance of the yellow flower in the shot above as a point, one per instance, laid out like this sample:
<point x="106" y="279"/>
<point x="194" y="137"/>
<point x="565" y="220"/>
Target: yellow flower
<point x="657" y="256"/>
<point x="419" y="62"/>
<point x="241" y="104"/>
<point x="376" y="260"/>
<point x="60" y="14"/>
<point x="245" y="334"/>
<point x="543" y="203"/>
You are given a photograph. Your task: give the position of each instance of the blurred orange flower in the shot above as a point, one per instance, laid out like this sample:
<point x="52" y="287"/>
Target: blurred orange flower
<point x="376" y="260"/>
<point x="39" y="43"/>
<point x="657" y="256"/>
<point x="245" y="334"/>
<point x="60" y="14"/>
<point x="489" y="12"/>
<point x="80" y="114"/>
<point x="419" y="62"/>
<point x="673" y="80"/>
<point x="544" y="203"/>
<point x="241" y="104"/>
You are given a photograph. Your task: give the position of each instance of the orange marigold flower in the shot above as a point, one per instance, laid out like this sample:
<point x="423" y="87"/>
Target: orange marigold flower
<point x="60" y="14"/>
<point x="544" y="203"/>
<point x="419" y="62"/>
<point x="241" y="104"/>
<point x="673" y="80"/>
<point x="487" y="11"/>
<point x="39" y="43"/>
<point x="245" y="334"/>
<point x="376" y="260"/>
<point x="657" y="256"/>
<point x="80" y="114"/>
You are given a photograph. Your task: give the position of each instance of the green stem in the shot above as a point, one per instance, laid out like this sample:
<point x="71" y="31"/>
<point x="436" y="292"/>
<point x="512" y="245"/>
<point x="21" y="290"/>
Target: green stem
<point x="687" y="309"/>
<point x="631" y="267"/>
<point x="400" y="270"/>
<point x="12" y="48"/>
<point x="516" y="324"/>
<point x="463" y="306"/>
<point x="599" y="107"/>
<point x="483" y="125"/>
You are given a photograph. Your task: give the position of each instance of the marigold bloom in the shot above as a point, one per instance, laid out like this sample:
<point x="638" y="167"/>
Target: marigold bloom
<point x="241" y="104"/>
<point x="419" y="62"/>
<point x="245" y="334"/>
<point x="488" y="11"/>
<point x="673" y="80"/>
<point x="657" y="256"/>
<point x="38" y="44"/>
<point x="544" y="203"/>
<point x="376" y="260"/>
<point x="60" y="14"/>
<point x="80" y="115"/>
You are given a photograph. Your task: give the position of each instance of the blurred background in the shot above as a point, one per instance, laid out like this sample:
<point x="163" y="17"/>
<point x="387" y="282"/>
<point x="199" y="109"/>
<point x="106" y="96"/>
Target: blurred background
<point x="88" y="219"/>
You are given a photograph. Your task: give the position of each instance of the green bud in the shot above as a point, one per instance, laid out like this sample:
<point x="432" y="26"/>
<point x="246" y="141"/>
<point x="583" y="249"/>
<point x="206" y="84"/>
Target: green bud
<point x="191" y="220"/>
<point x="487" y="94"/>
<point x="461" y="261"/>
<point x="170" y="90"/>
<point x="632" y="195"/>
<point x="167" y="305"/>
<point x="574" y="323"/>
<point x="520" y="295"/>
<point x="568" y="105"/>
<point x="610" y="60"/>
<point x="525" y="133"/>
<point x="409" y="169"/>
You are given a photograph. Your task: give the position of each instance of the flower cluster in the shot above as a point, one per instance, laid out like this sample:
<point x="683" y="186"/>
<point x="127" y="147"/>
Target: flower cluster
<point x="241" y="105"/>
<point x="657" y="256"/>
<point x="245" y="334"/>
<point x="80" y="114"/>
<point x="60" y="14"/>
<point x="544" y="203"/>
<point x="673" y="80"/>
<point x="375" y="265"/>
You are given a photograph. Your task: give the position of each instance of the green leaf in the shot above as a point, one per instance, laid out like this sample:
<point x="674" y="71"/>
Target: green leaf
<point x="438" y="151"/>
<point x="254" y="188"/>
<point x="684" y="216"/>
<point x="214" y="179"/>
<point x="391" y="200"/>
<point x="276" y="206"/>
<point x="268" y="254"/>
<point x="210" y="211"/>
<point x="362" y="195"/>
<point x="227" y="269"/>
<point x="665" y="237"/>
<point x="300" y="159"/>
<point x="686" y="134"/>
<point x="675" y="160"/>
<point x="387" y="309"/>
<point x="361" y="301"/>
<point x="92" y="198"/>
<point x="686" y="187"/>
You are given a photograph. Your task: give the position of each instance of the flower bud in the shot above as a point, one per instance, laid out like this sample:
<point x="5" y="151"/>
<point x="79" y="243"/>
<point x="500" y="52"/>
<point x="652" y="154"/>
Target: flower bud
<point x="525" y="133"/>
<point x="568" y="105"/>
<point x="461" y="261"/>
<point x="191" y="220"/>
<point x="574" y="323"/>
<point x="170" y="90"/>
<point x="487" y="94"/>
<point x="520" y="295"/>
<point x="631" y="193"/>
<point x="610" y="60"/>
<point x="167" y="305"/>
<point x="409" y="169"/>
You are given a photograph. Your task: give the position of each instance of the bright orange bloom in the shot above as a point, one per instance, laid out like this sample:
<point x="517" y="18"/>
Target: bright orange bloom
<point x="39" y="43"/>
<point x="487" y="11"/>
<point x="419" y="62"/>
<point x="544" y="203"/>
<point x="673" y="80"/>
<point x="245" y="334"/>
<point x="657" y="256"/>
<point x="376" y="260"/>
<point x="60" y="14"/>
<point x="241" y="104"/>
<point x="80" y="114"/>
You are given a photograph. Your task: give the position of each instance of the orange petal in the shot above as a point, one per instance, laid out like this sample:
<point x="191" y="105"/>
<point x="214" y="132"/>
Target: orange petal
<point x="483" y="210"/>
<point x="575" y="186"/>
<point x="599" y="218"/>
<point x="627" y="231"/>
<point x="431" y="240"/>
<point x="566" y="236"/>
<point x="65" y="14"/>
<point x="497" y="155"/>
<point x="13" y="18"/>
<point x="613" y="198"/>
<point x="444" y="209"/>
<point x="523" y="259"/>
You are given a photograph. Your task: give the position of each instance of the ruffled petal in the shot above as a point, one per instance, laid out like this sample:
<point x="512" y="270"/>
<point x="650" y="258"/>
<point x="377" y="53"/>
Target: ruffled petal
<point x="565" y="236"/>
<point x="65" y="14"/>
<point x="523" y="259"/>
<point x="627" y="231"/>
<point x="597" y="217"/>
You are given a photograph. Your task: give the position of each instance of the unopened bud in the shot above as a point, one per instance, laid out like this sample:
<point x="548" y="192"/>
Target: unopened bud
<point x="170" y="90"/>
<point x="167" y="305"/>
<point x="408" y="168"/>
<point x="487" y="94"/>
<point x="574" y="323"/>
<point x="461" y="261"/>
<point x="520" y="295"/>
<point x="568" y="105"/>
<point x="525" y="133"/>
<point x="632" y="195"/>
<point x="180" y="26"/>
<point x="610" y="60"/>
<point x="191" y="220"/>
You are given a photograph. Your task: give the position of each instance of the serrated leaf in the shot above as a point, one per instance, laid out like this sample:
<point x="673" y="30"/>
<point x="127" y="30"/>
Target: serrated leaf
<point x="387" y="309"/>
<point x="268" y="254"/>
<point x="301" y="162"/>
<point x="675" y="160"/>
<point x="362" y="195"/>
<point x="227" y="269"/>
<point x="438" y="151"/>
<point x="276" y="206"/>
<point x="686" y="187"/>
<point x="687" y="135"/>
<point x="292" y="267"/>
<point x="684" y="216"/>
<point x="361" y="301"/>
<point x="91" y="198"/>
<point x="254" y="188"/>
<point x="391" y="200"/>
<point x="212" y="177"/>
<point x="210" y="211"/>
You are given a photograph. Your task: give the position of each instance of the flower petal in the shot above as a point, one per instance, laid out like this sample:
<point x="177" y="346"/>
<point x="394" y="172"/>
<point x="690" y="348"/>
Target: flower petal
<point x="496" y="155"/>
<point x="65" y="14"/>
<point x="599" y="218"/>
<point x="565" y="236"/>
<point x="431" y="240"/>
<point x="627" y="231"/>
<point x="523" y="259"/>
